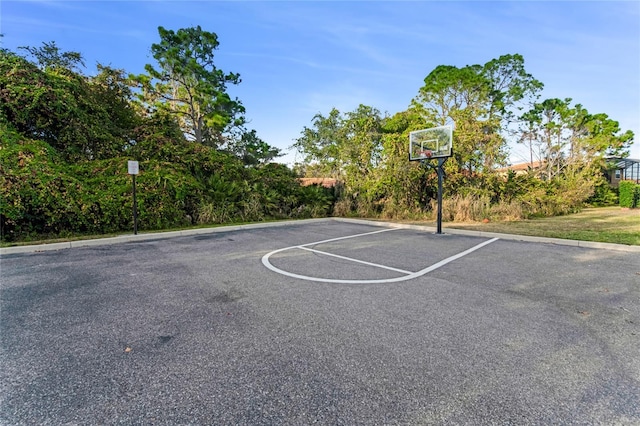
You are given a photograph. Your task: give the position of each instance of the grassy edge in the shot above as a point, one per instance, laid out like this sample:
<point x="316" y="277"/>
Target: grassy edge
<point x="598" y="224"/>
<point x="81" y="237"/>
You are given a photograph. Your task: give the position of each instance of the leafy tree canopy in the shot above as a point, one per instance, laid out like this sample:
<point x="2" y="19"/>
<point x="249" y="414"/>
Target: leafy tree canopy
<point x="252" y="150"/>
<point x="83" y="118"/>
<point x="188" y="85"/>
<point x="480" y="100"/>
<point x="50" y="56"/>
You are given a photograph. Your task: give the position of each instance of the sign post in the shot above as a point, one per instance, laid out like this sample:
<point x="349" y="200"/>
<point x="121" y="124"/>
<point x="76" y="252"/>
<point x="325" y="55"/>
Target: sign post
<point x="133" y="171"/>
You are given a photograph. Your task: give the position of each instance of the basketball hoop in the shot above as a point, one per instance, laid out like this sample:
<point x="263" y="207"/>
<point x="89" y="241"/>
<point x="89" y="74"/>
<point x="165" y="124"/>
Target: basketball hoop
<point x="429" y="144"/>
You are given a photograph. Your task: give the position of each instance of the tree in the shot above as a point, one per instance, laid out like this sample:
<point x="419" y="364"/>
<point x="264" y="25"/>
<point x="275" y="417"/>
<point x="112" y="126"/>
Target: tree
<point x="110" y="89"/>
<point x="571" y="145"/>
<point x="44" y="104"/>
<point x="480" y="100"/>
<point x="448" y="89"/>
<point x="605" y="136"/>
<point x="50" y="56"/>
<point x="552" y="116"/>
<point x="188" y="85"/>
<point x="529" y="122"/>
<point x="361" y="152"/>
<point x="253" y="150"/>
<point x="83" y="118"/>
<point x="320" y="144"/>
<point x="460" y="96"/>
<point x="406" y="187"/>
<point x="563" y="136"/>
<point x="347" y="147"/>
<point x="509" y="84"/>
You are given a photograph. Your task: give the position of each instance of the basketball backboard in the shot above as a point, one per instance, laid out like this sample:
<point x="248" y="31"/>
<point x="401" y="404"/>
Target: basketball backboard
<point x="436" y="142"/>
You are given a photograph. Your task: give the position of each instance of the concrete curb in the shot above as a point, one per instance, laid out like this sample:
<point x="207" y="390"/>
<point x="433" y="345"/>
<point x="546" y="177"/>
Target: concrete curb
<point x="171" y="234"/>
<point x="149" y="237"/>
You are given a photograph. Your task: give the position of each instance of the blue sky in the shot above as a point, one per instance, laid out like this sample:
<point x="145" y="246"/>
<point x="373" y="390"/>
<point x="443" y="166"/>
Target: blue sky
<point x="297" y="59"/>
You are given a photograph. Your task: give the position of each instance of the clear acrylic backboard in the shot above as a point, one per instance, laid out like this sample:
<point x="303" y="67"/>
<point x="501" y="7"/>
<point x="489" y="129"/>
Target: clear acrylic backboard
<point x="436" y="142"/>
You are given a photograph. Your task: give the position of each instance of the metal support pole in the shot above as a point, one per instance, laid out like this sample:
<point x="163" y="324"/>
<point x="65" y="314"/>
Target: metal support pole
<point x="440" y="174"/>
<point x="135" y="207"/>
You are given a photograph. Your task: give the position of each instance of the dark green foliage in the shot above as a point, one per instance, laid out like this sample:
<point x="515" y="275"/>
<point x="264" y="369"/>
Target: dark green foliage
<point x="604" y="195"/>
<point x="282" y="196"/>
<point x="39" y="196"/>
<point x="65" y="142"/>
<point x="42" y="195"/>
<point x="179" y="184"/>
<point x="629" y="194"/>
<point x="315" y="201"/>
<point x="253" y="150"/>
<point x="271" y="191"/>
<point x="166" y="194"/>
<point x="82" y="119"/>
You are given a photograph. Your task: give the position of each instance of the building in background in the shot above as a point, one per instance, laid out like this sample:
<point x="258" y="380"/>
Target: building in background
<point x="620" y="169"/>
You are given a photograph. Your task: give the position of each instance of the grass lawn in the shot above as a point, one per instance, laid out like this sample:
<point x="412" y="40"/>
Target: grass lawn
<point x="603" y="224"/>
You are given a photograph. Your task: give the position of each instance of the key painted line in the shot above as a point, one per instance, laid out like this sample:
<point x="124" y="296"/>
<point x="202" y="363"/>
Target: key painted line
<point x="455" y="257"/>
<point x="266" y="263"/>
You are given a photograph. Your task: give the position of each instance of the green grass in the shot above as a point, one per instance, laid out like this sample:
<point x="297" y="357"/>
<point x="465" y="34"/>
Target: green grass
<point x="602" y="224"/>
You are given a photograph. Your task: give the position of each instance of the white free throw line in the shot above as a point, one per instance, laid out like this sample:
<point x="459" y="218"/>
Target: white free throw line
<point x="265" y="262"/>
<point x="354" y="260"/>
<point x="343" y="238"/>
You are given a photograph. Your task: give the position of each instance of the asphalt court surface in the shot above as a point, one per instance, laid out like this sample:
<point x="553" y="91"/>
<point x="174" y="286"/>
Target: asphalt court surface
<point x="198" y="330"/>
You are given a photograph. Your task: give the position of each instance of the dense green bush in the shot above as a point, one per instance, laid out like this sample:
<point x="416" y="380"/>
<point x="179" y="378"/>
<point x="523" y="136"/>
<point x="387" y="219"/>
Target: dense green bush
<point x="629" y="194"/>
<point x="38" y="196"/>
<point x="65" y="140"/>
<point x="43" y="195"/>
<point x="271" y="191"/>
<point x="604" y="194"/>
<point x="166" y="194"/>
<point x="83" y="119"/>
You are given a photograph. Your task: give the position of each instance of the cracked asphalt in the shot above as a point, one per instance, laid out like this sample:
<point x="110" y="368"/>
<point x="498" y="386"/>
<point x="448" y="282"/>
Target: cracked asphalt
<point x="196" y="330"/>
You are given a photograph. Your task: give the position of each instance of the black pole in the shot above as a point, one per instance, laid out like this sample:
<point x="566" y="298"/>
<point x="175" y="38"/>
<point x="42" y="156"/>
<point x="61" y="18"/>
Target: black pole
<point x="135" y="208"/>
<point x="440" y="173"/>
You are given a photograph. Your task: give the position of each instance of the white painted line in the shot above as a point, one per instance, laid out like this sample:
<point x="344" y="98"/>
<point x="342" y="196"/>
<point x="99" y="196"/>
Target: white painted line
<point x="456" y="256"/>
<point x="350" y="259"/>
<point x="265" y="262"/>
<point x="343" y="238"/>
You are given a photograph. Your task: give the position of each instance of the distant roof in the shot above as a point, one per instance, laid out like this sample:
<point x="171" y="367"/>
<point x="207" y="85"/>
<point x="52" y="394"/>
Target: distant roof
<point x="326" y="182"/>
<point x="623" y="163"/>
<point x="522" y="166"/>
